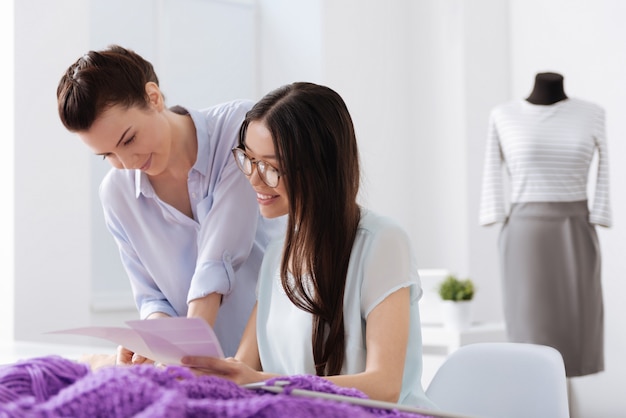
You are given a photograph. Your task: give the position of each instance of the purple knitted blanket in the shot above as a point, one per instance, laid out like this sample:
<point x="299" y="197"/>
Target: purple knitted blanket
<point x="57" y="387"/>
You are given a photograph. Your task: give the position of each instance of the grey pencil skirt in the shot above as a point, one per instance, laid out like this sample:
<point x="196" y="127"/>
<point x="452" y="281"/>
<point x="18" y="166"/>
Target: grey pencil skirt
<point x="551" y="275"/>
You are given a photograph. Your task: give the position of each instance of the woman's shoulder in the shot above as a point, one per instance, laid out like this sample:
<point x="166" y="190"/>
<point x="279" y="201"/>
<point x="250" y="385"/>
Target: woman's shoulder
<point x="375" y="223"/>
<point x="116" y="184"/>
<point x="222" y="119"/>
<point x="234" y="108"/>
<point x="376" y="231"/>
<point x="586" y="106"/>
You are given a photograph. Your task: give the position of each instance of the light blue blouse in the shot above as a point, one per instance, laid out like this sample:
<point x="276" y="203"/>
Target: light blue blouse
<point x="382" y="261"/>
<point x="172" y="259"/>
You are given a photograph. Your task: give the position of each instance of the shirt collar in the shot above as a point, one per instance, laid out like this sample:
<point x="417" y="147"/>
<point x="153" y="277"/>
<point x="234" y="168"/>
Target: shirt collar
<point x="142" y="185"/>
<point x="203" y="136"/>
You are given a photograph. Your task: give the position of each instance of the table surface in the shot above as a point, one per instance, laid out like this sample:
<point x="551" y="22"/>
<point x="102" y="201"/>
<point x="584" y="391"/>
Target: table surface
<point x="13" y="351"/>
<point x="438" y="335"/>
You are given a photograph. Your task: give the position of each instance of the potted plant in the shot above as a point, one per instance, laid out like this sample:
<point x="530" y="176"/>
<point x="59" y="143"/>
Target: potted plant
<point x="456" y="295"/>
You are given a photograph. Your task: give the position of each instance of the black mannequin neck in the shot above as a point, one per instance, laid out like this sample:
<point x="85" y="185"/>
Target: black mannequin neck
<point x="548" y="89"/>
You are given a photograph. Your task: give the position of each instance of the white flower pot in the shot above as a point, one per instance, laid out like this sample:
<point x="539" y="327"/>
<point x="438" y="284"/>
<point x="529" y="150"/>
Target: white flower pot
<point x="457" y="316"/>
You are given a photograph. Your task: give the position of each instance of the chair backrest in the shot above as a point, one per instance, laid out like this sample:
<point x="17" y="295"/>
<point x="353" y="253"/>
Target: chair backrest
<point x="502" y="380"/>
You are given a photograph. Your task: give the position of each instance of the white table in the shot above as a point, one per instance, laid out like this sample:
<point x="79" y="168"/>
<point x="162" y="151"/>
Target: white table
<point x="437" y="336"/>
<point x="13" y="351"/>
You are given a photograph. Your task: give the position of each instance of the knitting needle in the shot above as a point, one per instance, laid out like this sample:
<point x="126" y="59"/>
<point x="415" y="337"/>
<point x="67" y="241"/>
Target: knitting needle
<point x="278" y="388"/>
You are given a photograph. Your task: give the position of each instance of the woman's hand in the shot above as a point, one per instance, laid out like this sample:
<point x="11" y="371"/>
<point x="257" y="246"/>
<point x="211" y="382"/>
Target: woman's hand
<point x="229" y="368"/>
<point x="127" y="357"/>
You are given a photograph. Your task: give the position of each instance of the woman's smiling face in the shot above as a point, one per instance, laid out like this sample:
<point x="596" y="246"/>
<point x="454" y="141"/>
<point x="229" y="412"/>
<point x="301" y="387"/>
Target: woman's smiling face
<point x="273" y="201"/>
<point x="133" y="138"/>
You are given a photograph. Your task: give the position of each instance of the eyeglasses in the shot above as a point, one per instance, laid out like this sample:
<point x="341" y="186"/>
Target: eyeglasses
<point x="267" y="172"/>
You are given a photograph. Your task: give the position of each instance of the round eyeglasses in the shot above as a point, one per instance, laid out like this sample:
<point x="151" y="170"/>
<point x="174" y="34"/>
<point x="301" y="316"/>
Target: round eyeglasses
<point x="267" y="172"/>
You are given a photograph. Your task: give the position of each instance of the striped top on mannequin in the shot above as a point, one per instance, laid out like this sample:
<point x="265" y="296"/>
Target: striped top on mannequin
<point x="547" y="145"/>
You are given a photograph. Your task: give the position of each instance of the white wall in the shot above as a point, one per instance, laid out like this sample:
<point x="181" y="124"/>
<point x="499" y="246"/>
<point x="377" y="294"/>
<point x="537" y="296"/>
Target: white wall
<point x="52" y="222"/>
<point x="487" y="83"/>
<point x="289" y="43"/>
<point x="7" y="164"/>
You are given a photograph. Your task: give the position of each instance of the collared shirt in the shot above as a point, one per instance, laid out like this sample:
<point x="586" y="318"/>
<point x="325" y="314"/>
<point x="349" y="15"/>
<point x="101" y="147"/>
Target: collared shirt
<point x="172" y="259"/>
<point x="382" y="261"/>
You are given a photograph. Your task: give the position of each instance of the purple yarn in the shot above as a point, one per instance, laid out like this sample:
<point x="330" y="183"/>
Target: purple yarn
<point x="38" y="377"/>
<point x="317" y="384"/>
<point x="52" y="387"/>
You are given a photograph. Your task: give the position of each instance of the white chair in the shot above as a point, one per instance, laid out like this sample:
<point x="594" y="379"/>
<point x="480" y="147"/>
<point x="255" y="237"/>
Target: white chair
<point x="502" y="380"/>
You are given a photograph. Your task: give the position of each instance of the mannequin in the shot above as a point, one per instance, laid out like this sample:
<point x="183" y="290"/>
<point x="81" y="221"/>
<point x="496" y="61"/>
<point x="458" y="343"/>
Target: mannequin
<point x="548" y="89"/>
<point x="549" y="254"/>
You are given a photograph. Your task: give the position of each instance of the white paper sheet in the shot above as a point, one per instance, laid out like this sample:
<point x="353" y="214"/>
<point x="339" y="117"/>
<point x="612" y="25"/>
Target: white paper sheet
<point x="164" y="340"/>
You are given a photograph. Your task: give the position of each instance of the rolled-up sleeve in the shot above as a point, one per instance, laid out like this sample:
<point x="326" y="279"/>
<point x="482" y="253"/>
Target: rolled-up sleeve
<point x="229" y="225"/>
<point x="226" y="235"/>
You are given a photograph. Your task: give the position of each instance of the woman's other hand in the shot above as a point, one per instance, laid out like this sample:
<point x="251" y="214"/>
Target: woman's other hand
<point x="127" y="357"/>
<point x="229" y="368"/>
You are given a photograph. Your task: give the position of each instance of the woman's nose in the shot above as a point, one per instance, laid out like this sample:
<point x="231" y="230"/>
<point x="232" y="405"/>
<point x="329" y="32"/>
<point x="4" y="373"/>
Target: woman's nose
<point x="254" y="178"/>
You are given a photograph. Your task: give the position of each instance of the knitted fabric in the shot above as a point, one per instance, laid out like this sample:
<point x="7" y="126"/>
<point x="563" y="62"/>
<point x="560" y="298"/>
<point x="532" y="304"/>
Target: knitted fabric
<point x="51" y="387"/>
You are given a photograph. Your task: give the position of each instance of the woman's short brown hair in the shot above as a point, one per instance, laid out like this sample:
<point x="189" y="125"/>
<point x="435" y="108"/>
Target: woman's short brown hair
<point x="99" y="80"/>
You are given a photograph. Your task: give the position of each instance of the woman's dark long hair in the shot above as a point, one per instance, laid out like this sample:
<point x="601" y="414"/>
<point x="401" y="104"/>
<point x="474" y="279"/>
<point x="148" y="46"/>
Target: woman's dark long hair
<point x="316" y="146"/>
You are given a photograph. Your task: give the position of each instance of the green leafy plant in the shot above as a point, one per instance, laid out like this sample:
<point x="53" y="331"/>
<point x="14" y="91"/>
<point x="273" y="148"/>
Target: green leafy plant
<point x="455" y="289"/>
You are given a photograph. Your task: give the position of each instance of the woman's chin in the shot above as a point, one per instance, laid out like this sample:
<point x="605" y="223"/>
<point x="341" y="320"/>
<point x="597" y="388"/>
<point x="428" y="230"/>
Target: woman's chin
<point x="271" y="212"/>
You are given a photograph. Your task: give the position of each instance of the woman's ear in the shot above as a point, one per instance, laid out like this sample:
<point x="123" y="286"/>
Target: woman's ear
<point x="155" y="96"/>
